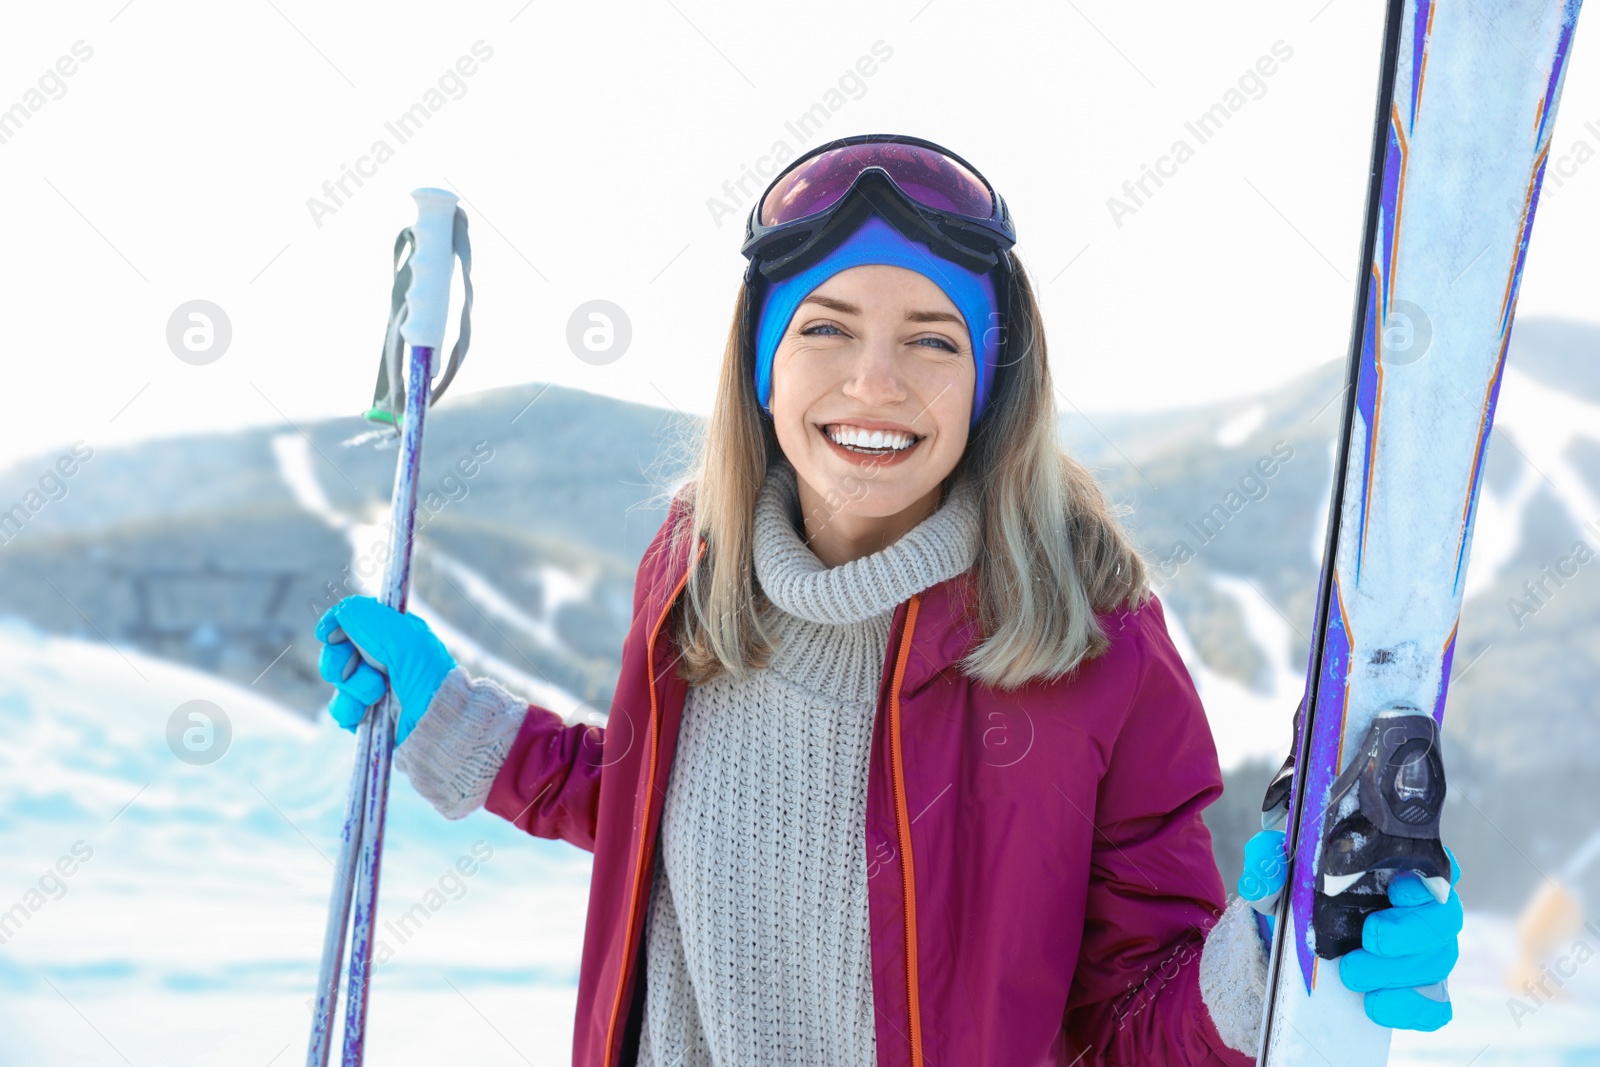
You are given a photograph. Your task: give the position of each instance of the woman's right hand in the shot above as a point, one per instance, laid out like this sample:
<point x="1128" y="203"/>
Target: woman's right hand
<point x="368" y="647"/>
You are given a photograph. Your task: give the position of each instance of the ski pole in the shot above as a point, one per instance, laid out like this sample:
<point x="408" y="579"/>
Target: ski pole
<point x="437" y="236"/>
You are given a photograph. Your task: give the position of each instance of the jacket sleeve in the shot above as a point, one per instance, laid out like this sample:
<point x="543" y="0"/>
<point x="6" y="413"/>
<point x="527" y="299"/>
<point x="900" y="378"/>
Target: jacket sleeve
<point x="549" y="783"/>
<point x="1154" y="892"/>
<point x="475" y="732"/>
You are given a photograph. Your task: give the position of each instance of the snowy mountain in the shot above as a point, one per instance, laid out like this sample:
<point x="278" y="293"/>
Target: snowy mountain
<point x="222" y="550"/>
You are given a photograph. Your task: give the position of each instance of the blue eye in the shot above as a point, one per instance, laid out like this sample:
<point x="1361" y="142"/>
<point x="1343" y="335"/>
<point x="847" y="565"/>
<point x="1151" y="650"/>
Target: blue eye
<point x="939" y="342"/>
<point x="820" y="326"/>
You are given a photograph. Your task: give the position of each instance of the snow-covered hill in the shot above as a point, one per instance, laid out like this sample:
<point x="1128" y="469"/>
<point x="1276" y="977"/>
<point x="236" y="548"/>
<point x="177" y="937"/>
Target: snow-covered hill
<point x="1542" y="495"/>
<point x="189" y="928"/>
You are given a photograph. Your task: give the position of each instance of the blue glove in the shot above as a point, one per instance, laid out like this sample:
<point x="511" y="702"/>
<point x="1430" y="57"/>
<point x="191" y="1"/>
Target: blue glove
<point x="1407" y="950"/>
<point x="365" y="640"/>
<point x="1266" y="868"/>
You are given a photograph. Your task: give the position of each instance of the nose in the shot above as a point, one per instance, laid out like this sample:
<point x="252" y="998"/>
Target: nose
<point x="875" y="374"/>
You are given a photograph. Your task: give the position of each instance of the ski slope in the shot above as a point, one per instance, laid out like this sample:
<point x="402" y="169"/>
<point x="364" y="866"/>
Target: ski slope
<point x="1543" y="427"/>
<point x="191" y="935"/>
<point x="369" y="541"/>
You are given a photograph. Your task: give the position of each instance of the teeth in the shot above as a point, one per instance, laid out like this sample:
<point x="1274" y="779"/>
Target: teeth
<point x="856" y="437"/>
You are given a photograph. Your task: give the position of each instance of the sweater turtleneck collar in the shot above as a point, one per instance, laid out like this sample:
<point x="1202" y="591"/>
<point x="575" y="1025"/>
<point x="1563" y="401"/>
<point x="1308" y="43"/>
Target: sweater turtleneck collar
<point x="942" y="546"/>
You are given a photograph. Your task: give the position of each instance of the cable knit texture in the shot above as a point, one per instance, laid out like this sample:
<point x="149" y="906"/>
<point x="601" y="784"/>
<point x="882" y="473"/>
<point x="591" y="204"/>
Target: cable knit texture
<point x="794" y="579"/>
<point x="459" y="745"/>
<point x="757" y="937"/>
<point x="1233" y="977"/>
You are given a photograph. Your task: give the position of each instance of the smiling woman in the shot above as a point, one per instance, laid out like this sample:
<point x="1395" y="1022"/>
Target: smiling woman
<point x="883" y="520"/>
<point x="880" y="333"/>
<point x="902" y="766"/>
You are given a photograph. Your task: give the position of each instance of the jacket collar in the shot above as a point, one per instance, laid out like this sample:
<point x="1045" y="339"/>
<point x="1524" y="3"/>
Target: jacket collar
<point x="947" y="629"/>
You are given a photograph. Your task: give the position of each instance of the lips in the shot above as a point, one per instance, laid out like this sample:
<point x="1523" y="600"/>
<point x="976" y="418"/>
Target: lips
<point x="869" y="441"/>
<point x="870" y="445"/>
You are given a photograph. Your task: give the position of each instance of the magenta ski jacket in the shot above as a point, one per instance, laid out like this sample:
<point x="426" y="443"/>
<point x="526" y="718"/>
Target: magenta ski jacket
<point x="1039" y="882"/>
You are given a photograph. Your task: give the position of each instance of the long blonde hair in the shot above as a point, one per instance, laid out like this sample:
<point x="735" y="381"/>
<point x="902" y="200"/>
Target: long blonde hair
<point x="1054" y="550"/>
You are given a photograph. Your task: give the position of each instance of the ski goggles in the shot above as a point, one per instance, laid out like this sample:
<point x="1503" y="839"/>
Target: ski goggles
<point x="915" y="184"/>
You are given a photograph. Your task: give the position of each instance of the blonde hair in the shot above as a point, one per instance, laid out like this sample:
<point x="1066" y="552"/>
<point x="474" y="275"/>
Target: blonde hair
<point x="1054" y="550"/>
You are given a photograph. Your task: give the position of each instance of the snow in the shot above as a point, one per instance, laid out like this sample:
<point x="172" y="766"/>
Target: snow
<point x="1239" y="427"/>
<point x="1246" y="723"/>
<point x="559" y="588"/>
<point x="293" y="455"/>
<point x="190" y="927"/>
<point x="483" y="662"/>
<point x="369" y="543"/>
<point x="1542" y="424"/>
<point x="191" y="933"/>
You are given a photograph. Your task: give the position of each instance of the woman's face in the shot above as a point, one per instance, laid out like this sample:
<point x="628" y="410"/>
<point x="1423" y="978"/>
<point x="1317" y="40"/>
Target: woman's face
<point x="872" y="393"/>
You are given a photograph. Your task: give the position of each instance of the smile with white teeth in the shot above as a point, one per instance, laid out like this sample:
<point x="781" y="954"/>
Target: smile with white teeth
<point x="869" y="442"/>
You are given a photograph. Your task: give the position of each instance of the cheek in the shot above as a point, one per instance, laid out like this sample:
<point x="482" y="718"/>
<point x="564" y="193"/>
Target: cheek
<point x="787" y="389"/>
<point x="801" y="377"/>
<point x="952" y="410"/>
<point x="793" y="393"/>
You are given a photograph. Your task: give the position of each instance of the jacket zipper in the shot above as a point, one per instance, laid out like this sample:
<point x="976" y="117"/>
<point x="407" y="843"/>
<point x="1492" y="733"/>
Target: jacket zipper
<point x="649" y="788"/>
<point x="903" y="825"/>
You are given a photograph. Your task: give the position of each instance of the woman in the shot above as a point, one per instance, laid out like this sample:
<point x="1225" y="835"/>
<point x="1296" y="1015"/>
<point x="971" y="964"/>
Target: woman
<point x="902" y="766"/>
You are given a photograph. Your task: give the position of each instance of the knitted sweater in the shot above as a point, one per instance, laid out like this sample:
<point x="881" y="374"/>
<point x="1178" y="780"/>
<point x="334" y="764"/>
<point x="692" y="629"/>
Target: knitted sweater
<point x="757" y="937"/>
<point x="757" y="948"/>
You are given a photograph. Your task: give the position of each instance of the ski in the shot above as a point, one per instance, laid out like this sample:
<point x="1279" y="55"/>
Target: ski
<point x="419" y="309"/>
<point x="1466" y="106"/>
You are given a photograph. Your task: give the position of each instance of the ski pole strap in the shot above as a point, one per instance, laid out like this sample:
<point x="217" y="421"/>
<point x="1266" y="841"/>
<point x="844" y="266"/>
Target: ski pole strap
<point x="389" y="396"/>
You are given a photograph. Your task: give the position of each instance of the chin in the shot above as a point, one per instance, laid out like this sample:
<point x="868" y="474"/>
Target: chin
<point x="880" y="505"/>
<point x="866" y="486"/>
<point x="871" y="492"/>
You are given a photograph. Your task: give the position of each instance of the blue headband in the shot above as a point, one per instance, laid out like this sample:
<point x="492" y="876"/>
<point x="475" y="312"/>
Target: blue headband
<point x="878" y="243"/>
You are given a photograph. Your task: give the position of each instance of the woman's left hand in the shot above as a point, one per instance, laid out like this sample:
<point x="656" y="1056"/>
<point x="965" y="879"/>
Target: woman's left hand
<point x="1407" y="949"/>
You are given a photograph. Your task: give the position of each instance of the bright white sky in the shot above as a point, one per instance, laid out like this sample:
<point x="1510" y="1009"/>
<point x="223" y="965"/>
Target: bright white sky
<point x="178" y="163"/>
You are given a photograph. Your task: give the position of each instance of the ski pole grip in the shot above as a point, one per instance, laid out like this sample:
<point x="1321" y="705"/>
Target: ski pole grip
<point x="432" y="262"/>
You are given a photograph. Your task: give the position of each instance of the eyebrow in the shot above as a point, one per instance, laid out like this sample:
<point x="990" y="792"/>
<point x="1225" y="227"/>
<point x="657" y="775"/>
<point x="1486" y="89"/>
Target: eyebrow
<point x="844" y="307"/>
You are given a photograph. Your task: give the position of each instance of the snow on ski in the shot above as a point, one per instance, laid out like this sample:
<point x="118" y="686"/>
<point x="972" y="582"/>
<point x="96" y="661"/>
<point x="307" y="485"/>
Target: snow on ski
<point x="1466" y="106"/>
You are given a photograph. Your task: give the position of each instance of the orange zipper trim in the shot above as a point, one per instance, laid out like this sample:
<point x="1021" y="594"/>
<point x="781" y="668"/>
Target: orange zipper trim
<point x="649" y="788"/>
<point x="903" y="824"/>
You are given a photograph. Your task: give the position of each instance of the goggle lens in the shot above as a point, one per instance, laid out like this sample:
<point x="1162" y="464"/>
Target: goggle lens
<point x="928" y="177"/>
